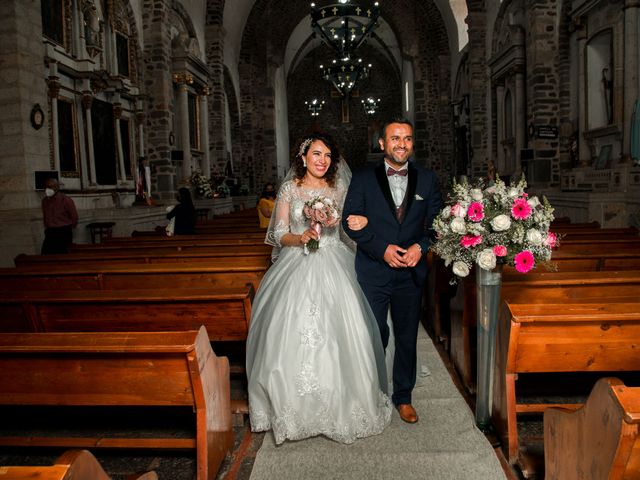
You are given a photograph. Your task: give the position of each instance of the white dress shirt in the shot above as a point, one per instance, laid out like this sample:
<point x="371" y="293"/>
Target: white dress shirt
<point x="397" y="184"/>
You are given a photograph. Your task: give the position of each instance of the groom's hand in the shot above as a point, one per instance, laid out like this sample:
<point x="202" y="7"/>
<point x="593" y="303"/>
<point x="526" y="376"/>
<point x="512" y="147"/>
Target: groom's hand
<point x="393" y="255"/>
<point x="413" y="255"/>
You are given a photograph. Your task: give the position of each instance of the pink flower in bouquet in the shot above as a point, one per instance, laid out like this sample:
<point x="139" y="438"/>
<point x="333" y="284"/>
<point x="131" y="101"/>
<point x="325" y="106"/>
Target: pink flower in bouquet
<point x="476" y="212"/>
<point x="469" y="241"/>
<point x="500" y="251"/>
<point x="551" y="240"/>
<point x="458" y="210"/>
<point x="524" y="261"/>
<point x="322" y="213"/>
<point x="520" y="209"/>
<point x="307" y="211"/>
<point x="321" y="217"/>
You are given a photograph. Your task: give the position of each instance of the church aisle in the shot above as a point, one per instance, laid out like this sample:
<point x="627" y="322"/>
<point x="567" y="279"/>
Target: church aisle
<point x="444" y="444"/>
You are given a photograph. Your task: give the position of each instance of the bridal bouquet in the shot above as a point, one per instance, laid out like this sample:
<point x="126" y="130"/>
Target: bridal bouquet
<point x="496" y="224"/>
<point x="323" y="213"/>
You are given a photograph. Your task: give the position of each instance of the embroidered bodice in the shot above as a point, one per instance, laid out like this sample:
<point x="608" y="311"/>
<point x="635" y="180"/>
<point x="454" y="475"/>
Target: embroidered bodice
<point x="289" y="215"/>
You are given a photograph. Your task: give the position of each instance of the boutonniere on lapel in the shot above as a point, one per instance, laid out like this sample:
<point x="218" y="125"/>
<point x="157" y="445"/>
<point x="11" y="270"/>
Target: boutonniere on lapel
<point x="418" y="197"/>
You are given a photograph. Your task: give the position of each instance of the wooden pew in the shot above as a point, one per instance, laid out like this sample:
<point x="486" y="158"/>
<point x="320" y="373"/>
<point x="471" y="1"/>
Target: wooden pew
<point x="231" y="236"/>
<point x="170" y="369"/>
<point x="558" y="335"/>
<point x="72" y="465"/>
<point x="147" y="255"/>
<point x="579" y="279"/>
<point x="224" y="312"/>
<point x="169" y="242"/>
<point x="219" y="272"/>
<point x="600" y="440"/>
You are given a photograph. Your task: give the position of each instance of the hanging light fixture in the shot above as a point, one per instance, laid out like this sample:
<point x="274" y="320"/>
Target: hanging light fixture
<point x="344" y="26"/>
<point x="344" y="75"/>
<point x="314" y="106"/>
<point x="370" y="105"/>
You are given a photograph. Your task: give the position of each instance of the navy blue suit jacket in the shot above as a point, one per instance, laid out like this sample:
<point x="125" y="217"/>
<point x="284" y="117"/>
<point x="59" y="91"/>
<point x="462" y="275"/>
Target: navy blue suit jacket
<point x="369" y="195"/>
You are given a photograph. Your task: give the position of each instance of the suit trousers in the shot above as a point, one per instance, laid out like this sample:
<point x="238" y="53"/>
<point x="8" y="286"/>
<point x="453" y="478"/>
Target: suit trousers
<point x="404" y="297"/>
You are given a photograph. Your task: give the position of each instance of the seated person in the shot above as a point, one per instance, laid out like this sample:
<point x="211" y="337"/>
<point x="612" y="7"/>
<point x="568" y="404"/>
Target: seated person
<point x="266" y="204"/>
<point x="184" y="213"/>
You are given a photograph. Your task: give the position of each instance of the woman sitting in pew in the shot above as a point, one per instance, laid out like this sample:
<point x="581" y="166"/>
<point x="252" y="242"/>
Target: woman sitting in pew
<point x="266" y="204"/>
<point x="184" y="213"/>
<point x="315" y="361"/>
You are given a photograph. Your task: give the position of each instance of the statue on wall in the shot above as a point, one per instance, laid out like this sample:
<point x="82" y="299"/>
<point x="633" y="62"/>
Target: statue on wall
<point x="91" y="27"/>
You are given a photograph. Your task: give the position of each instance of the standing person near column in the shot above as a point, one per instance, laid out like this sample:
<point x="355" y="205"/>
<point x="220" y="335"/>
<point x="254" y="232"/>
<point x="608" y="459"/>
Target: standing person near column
<point x="400" y="199"/>
<point x="60" y="218"/>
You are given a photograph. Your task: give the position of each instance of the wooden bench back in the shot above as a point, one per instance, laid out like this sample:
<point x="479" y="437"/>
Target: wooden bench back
<point x="218" y="272"/>
<point x="225" y="312"/>
<point x="601" y="440"/>
<point x="122" y="369"/>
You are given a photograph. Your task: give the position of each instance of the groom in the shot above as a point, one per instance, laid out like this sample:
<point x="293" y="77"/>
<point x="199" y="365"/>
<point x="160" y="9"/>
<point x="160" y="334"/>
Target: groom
<point x="400" y="200"/>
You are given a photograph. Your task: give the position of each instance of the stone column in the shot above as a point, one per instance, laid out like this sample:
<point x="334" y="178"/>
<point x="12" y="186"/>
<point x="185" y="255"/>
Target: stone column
<point x="630" y="72"/>
<point x="499" y="92"/>
<point x="183" y="121"/>
<point x="87" y="100"/>
<point x="204" y="131"/>
<point x="117" y="114"/>
<point x="584" y="152"/>
<point x="54" y="89"/>
<point x="520" y="118"/>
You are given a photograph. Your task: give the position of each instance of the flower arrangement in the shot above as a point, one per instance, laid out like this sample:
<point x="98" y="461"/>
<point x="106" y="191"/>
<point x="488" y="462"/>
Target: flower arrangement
<point x="323" y="213"/>
<point x="498" y="224"/>
<point x="202" y="185"/>
<point x="223" y="190"/>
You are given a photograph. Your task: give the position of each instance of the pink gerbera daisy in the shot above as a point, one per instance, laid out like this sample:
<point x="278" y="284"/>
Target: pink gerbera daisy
<point x="500" y="251"/>
<point x="476" y="212"/>
<point x="520" y="209"/>
<point x="470" y="241"/>
<point x="524" y="261"/>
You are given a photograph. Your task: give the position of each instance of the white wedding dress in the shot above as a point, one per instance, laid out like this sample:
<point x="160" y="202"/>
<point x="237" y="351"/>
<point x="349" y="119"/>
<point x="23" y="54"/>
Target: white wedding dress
<point x="315" y="361"/>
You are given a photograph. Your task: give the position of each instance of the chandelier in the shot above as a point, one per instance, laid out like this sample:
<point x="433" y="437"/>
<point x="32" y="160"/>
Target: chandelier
<point x="344" y="26"/>
<point x="314" y="106"/>
<point x="345" y="74"/>
<point x="370" y="105"/>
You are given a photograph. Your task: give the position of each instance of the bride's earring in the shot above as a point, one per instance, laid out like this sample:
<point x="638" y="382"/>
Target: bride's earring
<point x="304" y="162"/>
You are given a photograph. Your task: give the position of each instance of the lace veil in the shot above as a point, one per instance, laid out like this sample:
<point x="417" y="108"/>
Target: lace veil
<point x="343" y="175"/>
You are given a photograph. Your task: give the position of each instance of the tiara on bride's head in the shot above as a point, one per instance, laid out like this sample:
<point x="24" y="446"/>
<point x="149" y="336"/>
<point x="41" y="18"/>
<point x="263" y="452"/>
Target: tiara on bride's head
<point x="304" y="145"/>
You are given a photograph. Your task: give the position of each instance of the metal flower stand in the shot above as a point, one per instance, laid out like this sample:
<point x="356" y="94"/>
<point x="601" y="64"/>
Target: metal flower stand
<point x="488" y="283"/>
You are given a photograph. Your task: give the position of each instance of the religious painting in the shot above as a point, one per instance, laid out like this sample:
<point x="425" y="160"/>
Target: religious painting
<point x="104" y="150"/>
<point x="67" y="136"/>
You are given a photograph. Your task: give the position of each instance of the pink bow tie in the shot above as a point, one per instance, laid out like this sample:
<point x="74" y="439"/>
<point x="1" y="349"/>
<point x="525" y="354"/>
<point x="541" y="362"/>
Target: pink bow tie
<point x="391" y="172"/>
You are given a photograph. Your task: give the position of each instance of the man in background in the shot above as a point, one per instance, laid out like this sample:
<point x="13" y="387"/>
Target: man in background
<point x="60" y="218"/>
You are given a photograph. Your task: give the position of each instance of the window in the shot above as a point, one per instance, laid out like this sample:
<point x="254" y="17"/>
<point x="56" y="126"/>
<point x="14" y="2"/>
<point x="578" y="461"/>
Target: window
<point x="67" y="136"/>
<point x="52" y="12"/>
<point x="104" y="150"/>
<point x="122" y="53"/>
<point x="194" y="122"/>
<point x="125" y="138"/>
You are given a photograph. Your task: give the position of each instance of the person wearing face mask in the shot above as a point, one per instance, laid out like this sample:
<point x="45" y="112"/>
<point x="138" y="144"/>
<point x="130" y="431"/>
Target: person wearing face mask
<point x="184" y="213"/>
<point x="60" y="218"/>
<point x="266" y="204"/>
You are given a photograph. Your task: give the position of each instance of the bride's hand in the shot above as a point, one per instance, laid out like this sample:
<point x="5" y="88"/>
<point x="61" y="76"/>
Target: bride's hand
<point x="357" y="222"/>
<point x="307" y="235"/>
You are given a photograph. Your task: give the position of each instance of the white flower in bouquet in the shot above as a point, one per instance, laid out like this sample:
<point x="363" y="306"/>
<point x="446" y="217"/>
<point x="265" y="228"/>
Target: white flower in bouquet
<point x="534" y="236"/>
<point x="458" y="226"/>
<point x="461" y="269"/>
<point x="499" y="224"/>
<point x="476" y="194"/>
<point x="486" y="259"/>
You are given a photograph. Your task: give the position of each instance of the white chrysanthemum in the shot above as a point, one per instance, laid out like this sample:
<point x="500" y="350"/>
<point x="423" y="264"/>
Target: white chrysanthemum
<point x="461" y="269"/>
<point x="458" y="226"/>
<point x="513" y="192"/>
<point x="534" y="236"/>
<point x="446" y="212"/>
<point x="486" y="259"/>
<point x="501" y="223"/>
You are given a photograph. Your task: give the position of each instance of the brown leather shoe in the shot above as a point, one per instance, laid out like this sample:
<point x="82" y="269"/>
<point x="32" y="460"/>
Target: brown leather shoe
<point x="407" y="412"/>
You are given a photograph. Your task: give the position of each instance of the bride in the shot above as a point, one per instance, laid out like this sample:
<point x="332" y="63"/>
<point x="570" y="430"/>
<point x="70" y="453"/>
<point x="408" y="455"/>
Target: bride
<point x="315" y="361"/>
